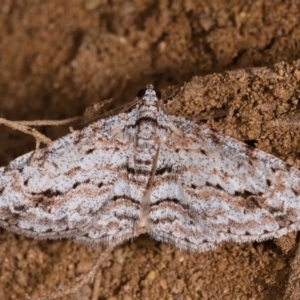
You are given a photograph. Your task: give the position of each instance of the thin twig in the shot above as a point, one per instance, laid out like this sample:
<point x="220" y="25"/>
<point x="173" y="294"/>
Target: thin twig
<point x="26" y="129"/>
<point x="82" y="280"/>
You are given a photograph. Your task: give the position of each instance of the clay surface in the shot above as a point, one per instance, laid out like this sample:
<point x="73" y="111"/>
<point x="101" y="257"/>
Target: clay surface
<point x="58" y="57"/>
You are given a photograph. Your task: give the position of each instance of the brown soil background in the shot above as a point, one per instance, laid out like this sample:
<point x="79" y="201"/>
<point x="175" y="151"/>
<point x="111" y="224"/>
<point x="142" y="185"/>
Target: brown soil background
<point x="58" y="57"/>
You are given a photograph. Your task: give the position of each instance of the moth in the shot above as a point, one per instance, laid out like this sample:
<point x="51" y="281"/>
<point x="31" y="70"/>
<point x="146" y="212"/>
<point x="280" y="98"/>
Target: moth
<point x="143" y="171"/>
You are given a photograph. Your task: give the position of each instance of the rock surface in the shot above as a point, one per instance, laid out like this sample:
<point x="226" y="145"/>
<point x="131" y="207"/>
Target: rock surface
<point x="58" y="57"/>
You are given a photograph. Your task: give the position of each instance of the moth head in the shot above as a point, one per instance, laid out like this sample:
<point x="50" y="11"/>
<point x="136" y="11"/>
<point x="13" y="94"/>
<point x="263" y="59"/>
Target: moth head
<point x="149" y="95"/>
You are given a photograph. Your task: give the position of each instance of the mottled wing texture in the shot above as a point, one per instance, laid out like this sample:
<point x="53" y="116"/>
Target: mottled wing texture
<point x="211" y="188"/>
<point x="76" y="187"/>
<point x="145" y="171"/>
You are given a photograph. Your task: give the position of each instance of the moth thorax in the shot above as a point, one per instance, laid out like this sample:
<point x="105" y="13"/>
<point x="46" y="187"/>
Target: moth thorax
<point x="148" y="112"/>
